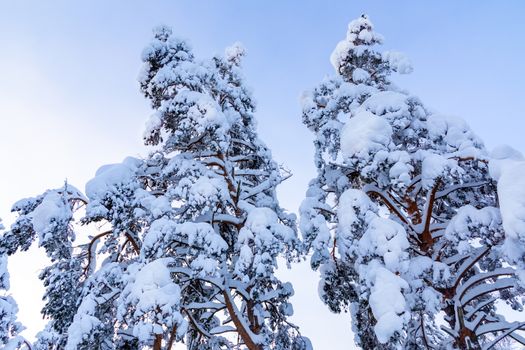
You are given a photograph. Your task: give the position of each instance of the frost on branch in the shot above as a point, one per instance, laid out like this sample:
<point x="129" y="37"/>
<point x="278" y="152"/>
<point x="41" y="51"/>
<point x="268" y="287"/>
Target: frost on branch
<point x="404" y="221"/>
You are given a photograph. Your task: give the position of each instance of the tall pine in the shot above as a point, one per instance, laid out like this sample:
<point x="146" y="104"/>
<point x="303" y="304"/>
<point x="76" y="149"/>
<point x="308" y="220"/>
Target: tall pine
<point x="190" y="235"/>
<point x="402" y="219"/>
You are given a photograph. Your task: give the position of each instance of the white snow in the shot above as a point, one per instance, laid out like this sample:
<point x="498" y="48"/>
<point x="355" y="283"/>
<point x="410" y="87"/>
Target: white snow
<point x="8" y="322"/>
<point x="387" y="302"/>
<point x="385" y="238"/>
<point x="107" y="181"/>
<point x="360" y="75"/>
<point x="507" y="167"/>
<point x="110" y="176"/>
<point x="4" y="273"/>
<point x="386" y="101"/>
<point x="312" y="221"/>
<point x="154" y="296"/>
<point x="400" y="172"/>
<point x="235" y="52"/>
<point x="358" y="29"/>
<point x="83" y="323"/>
<point x="456" y="133"/>
<point x="153" y="124"/>
<point x="340" y="53"/>
<point x="207" y="190"/>
<point x="398" y="61"/>
<point x="351" y="201"/>
<point x="434" y="166"/>
<point x="365" y="134"/>
<point x="152" y="287"/>
<point x="51" y="209"/>
<point x="199" y="235"/>
<point x="157" y="206"/>
<point x="353" y="207"/>
<point x="264" y="224"/>
<point x="469" y="217"/>
<point x="261" y="239"/>
<point x="501" y="158"/>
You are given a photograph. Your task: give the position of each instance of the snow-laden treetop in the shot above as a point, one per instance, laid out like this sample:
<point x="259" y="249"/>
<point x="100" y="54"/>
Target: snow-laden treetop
<point x="354" y="56"/>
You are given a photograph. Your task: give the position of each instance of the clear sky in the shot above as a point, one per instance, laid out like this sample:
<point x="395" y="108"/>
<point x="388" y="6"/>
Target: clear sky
<point x="69" y="101"/>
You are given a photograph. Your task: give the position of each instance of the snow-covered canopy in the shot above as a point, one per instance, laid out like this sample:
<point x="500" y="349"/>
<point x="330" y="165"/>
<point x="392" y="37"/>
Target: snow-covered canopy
<point x="404" y="220"/>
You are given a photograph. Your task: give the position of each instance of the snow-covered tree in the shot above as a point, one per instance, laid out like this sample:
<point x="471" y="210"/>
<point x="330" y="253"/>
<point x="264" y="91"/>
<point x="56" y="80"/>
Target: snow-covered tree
<point x="195" y="229"/>
<point x="48" y="218"/>
<point x="403" y="218"/>
<point x="9" y="326"/>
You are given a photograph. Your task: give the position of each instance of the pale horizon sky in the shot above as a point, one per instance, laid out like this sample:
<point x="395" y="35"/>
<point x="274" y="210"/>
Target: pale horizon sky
<point x="69" y="100"/>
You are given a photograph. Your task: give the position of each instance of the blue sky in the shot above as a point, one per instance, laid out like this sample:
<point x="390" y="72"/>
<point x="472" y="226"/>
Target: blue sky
<point x="69" y="101"/>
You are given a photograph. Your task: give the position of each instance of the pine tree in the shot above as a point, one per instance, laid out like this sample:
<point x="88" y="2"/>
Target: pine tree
<point x="195" y="229"/>
<point x="225" y="179"/>
<point x="403" y="219"/>
<point x="9" y="326"/>
<point x="49" y="218"/>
